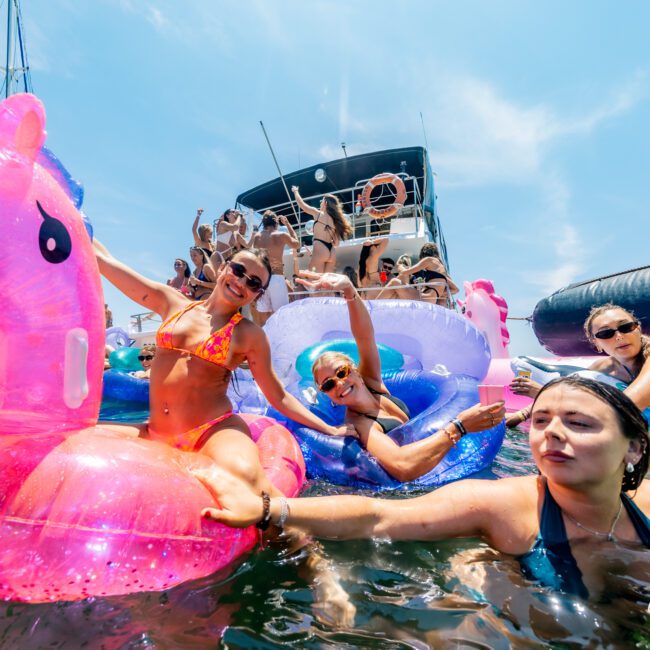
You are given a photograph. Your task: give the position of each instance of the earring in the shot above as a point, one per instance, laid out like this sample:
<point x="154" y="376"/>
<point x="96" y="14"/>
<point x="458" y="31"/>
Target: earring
<point x="334" y="405"/>
<point x="629" y="468"/>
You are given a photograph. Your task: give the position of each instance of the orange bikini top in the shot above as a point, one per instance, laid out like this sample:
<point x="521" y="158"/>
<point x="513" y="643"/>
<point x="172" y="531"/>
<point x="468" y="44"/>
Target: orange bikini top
<point x="214" y="349"/>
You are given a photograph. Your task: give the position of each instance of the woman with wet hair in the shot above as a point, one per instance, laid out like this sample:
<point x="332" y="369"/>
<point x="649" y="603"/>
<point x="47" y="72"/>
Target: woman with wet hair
<point x="582" y="518"/>
<point x="330" y="228"/>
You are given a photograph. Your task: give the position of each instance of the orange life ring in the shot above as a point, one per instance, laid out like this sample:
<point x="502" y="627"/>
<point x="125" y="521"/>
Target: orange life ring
<point x="389" y="210"/>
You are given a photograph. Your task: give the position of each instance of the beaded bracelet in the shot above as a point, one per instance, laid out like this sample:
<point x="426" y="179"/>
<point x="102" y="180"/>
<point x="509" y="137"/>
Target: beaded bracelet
<point x="264" y="522"/>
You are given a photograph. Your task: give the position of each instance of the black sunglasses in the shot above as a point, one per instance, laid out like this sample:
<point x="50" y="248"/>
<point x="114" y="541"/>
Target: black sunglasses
<point x="623" y="328"/>
<point x="145" y="357"/>
<point x="341" y="373"/>
<point x="252" y="281"/>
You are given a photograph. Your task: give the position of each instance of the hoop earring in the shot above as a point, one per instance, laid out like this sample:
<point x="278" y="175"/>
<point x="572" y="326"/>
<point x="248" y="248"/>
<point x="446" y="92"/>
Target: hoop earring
<point x="629" y="468"/>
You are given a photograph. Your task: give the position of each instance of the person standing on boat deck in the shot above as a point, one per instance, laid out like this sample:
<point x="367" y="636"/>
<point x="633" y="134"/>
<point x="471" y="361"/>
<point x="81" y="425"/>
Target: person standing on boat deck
<point x="202" y="281"/>
<point x="572" y="527"/>
<point x="273" y="242"/>
<point x="616" y="332"/>
<point x="370" y="408"/>
<point x="330" y="229"/>
<point x="202" y="234"/>
<point x="229" y="237"/>
<point x="369" y="275"/>
<point x="179" y="281"/>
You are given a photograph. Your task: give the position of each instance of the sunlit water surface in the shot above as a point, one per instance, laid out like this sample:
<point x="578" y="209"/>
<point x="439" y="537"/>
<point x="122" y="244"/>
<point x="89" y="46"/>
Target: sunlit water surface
<point x="406" y="595"/>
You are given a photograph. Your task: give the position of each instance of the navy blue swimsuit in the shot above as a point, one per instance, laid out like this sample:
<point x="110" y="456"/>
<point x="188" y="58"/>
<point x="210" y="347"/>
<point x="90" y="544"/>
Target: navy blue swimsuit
<point x="551" y="561"/>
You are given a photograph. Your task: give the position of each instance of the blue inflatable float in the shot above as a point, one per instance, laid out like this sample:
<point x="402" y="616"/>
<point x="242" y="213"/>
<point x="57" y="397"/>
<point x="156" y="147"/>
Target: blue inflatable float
<point x="454" y="357"/>
<point x="122" y="386"/>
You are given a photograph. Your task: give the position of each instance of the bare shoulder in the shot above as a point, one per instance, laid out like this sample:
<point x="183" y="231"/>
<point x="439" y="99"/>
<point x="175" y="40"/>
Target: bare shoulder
<point x="603" y="365"/>
<point x="249" y="334"/>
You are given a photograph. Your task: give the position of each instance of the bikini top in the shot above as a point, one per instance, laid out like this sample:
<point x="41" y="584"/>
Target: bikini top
<point x="330" y="230"/>
<point x="388" y="424"/>
<point x="551" y="561"/>
<point x="426" y="276"/>
<point x="214" y="349"/>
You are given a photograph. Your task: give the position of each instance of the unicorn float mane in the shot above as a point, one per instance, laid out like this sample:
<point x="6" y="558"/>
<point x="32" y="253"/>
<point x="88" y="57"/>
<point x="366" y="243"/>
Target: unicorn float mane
<point x="488" y="311"/>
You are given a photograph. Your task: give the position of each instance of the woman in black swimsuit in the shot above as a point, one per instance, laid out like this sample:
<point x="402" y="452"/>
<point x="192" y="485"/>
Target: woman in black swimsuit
<point x="426" y="272"/>
<point x="330" y="228"/>
<point x="371" y="409"/>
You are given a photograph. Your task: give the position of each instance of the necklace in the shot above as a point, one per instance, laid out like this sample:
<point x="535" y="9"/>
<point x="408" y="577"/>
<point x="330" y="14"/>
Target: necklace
<point x="608" y="536"/>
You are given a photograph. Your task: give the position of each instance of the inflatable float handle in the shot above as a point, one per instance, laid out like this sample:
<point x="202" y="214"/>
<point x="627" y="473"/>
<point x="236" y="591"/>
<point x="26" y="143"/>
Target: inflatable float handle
<point x="75" y="377"/>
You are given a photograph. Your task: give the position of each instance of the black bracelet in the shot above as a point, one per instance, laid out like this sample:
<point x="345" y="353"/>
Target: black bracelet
<point x="460" y="426"/>
<point x="264" y="522"/>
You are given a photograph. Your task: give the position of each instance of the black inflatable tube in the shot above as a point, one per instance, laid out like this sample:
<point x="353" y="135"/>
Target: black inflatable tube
<point x="558" y="319"/>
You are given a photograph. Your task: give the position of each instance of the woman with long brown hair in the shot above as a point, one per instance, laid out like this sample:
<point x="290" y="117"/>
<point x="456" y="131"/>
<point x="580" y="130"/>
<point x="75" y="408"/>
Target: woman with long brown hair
<point x="330" y="228"/>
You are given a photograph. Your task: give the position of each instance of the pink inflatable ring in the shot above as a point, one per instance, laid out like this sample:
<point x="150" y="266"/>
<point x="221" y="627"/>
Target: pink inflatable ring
<point x="83" y="510"/>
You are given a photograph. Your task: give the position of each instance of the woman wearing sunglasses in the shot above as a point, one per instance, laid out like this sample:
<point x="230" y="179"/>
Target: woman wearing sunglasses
<point x="198" y="346"/>
<point x="616" y="332"/>
<point x="580" y="525"/>
<point x="147" y="353"/>
<point x="371" y="409"/>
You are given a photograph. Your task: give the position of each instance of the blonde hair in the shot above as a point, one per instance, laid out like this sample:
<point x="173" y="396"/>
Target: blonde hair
<point x="203" y="230"/>
<point x="601" y="309"/>
<point x="330" y="358"/>
<point x="148" y="347"/>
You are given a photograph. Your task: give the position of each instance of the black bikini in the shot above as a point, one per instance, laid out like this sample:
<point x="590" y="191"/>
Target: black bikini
<point x="328" y="244"/>
<point x="388" y="424"/>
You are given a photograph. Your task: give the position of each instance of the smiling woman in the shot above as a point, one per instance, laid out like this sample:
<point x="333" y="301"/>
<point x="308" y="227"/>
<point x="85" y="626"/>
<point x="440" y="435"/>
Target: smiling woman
<point x="197" y="347"/>
<point x="569" y="527"/>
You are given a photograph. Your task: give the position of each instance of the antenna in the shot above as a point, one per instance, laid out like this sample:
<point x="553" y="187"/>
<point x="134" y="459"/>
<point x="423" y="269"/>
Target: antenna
<point x="424" y="131"/>
<point x="12" y="72"/>
<point x="286" y="189"/>
<point x="345" y="153"/>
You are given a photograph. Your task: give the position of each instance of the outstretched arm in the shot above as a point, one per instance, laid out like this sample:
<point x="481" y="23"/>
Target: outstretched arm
<point x="154" y="296"/>
<point x="305" y="207"/>
<point x="410" y="461"/>
<point x="360" y="322"/>
<point x="292" y="239"/>
<point x="468" y="508"/>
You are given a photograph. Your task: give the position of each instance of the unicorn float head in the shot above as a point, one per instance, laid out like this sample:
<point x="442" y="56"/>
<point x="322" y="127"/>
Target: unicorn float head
<point x="488" y="311"/>
<point x="51" y="322"/>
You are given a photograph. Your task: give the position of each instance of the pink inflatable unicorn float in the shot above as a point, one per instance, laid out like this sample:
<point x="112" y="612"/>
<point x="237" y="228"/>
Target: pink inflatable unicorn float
<point x="489" y="312"/>
<point x="84" y="510"/>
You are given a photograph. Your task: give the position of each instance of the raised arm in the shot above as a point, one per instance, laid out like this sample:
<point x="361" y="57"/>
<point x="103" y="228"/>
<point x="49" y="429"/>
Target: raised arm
<point x="305" y="207"/>
<point x="154" y="296"/>
<point x="195" y="229"/>
<point x="360" y="322"/>
<point x="292" y="240"/>
<point x="258" y="355"/>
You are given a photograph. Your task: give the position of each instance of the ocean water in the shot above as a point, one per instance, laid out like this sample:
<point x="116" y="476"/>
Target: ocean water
<point x="399" y="595"/>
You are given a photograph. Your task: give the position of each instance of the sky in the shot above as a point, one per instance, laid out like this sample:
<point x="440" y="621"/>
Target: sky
<point x="536" y="116"/>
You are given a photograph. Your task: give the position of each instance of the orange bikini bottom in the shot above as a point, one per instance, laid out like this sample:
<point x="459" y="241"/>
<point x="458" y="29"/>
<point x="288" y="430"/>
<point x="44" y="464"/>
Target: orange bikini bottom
<point x="189" y="440"/>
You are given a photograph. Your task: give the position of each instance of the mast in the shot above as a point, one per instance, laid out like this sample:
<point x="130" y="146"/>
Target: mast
<point x="12" y="71"/>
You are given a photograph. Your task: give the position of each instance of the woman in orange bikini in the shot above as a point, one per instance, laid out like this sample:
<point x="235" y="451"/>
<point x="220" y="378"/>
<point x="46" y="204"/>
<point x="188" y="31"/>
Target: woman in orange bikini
<point x="198" y="347"/>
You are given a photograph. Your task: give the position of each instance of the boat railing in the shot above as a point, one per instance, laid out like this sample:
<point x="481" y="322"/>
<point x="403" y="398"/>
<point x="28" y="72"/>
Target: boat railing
<point x="407" y="221"/>
<point x="137" y="321"/>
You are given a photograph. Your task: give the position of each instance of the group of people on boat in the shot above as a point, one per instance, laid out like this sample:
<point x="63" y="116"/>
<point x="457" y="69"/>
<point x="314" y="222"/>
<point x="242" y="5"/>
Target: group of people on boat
<point x="376" y="276"/>
<point x="589" y="441"/>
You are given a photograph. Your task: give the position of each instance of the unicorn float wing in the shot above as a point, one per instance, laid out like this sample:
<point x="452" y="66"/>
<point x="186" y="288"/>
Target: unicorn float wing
<point x="84" y="510"/>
